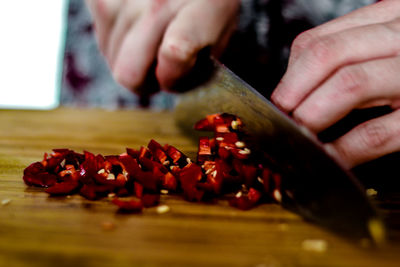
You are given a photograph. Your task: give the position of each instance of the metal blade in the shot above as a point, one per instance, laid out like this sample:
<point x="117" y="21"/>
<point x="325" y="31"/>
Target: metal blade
<point x="314" y="184"/>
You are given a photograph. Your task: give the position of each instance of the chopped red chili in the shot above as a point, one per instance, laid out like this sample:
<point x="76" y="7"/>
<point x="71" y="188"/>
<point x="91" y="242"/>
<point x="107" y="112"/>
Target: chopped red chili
<point x="225" y="164"/>
<point x="63" y="188"/>
<point x="132" y="205"/>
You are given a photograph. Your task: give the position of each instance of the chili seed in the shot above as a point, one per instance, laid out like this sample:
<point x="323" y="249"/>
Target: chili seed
<point x="5" y="202"/>
<point x="314" y="245"/>
<point x="164" y="191"/>
<point x="111" y="176"/>
<point x="240" y="144"/>
<point x="163" y="209"/>
<point x="371" y="192"/>
<point x="245" y="151"/>
<point x="235" y="125"/>
<point x="277" y="195"/>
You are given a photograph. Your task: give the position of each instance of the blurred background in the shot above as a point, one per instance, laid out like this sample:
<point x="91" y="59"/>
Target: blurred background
<point x="33" y="34"/>
<point x="49" y="55"/>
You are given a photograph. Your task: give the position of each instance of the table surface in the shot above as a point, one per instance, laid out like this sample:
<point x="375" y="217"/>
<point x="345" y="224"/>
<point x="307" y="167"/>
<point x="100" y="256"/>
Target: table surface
<point x="38" y="230"/>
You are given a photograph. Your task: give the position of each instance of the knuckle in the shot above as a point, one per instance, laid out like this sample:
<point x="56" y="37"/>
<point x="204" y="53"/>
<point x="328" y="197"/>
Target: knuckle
<point x="373" y="134"/>
<point x="300" y="43"/>
<point x="394" y="25"/>
<point x="322" y="48"/>
<point x="393" y="28"/>
<point x="351" y="80"/>
<point x="157" y="5"/>
<point x="302" y="40"/>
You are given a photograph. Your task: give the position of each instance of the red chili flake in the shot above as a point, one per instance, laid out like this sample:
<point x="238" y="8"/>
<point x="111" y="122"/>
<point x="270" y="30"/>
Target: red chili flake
<point x="147" y="164"/>
<point x="223" y="153"/>
<point x="93" y="192"/>
<point x="206" y="124"/>
<point x="189" y="176"/>
<point x="138" y="189"/>
<point x="110" y="179"/>
<point x="225" y="168"/>
<point x="226" y="139"/>
<point x="90" y="166"/>
<point x="63" y="188"/>
<point x="147" y="179"/>
<point x="133" y="153"/>
<point x="277" y="180"/>
<point x="249" y="173"/>
<point x="215" y="175"/>
<point x="246" y="200"/>
<point x="175" y="170"/>
<point x="130" y="164"/>
<point x="174" y="154"/>
<point x="122" y="192"/>
<point x="160" y="156"/>
<point x="240" y="153"/>
<point x="220" y="123"/>
<point x="69" y="174"/>
<point x="35" y="174"/>
<point x="169" y="181"/>
<point x="150" y="200"/>
<point x="254" y="195"/>
<point x="266" y="178"/>
<point x="132" y="205"/>
<point x="153" y="146"/>
<point x="204" y="151"/>
<point x="144" y="153"/>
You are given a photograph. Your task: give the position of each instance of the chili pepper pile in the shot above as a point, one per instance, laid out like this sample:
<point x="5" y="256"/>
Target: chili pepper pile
<point x="135" y="179"/>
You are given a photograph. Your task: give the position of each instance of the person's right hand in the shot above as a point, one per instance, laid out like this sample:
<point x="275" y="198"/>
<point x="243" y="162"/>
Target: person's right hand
<point x="132" y="34"/>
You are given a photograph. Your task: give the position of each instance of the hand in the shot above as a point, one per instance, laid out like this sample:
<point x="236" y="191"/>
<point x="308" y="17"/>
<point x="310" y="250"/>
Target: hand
<point x="349" y="63"/>
<point x="132" y="34"/>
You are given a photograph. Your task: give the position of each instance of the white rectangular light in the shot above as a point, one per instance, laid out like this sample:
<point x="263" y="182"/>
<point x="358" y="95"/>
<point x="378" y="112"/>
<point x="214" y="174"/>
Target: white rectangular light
<point x="31" y="48"/>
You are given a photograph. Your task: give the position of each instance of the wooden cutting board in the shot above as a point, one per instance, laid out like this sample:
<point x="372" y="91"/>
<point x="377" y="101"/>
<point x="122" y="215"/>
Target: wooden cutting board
<point x="37" y="230"/>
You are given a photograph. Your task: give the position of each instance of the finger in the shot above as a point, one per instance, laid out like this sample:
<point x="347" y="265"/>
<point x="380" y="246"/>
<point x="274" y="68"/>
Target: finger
<point x="139" y="45"/>
<point x="219" y="47"/>
<point x="332" y="52"/>
<point x="104" y="13"/>
<point x="375" y="82"/>
<point x="126" y="18"/>
<point x="368" y="141"/>
<point x="188" y="33"/>
<point x="379" y="12"/>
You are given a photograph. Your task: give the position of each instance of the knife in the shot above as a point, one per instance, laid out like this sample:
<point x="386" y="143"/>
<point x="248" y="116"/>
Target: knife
<point x="314" y="184"/>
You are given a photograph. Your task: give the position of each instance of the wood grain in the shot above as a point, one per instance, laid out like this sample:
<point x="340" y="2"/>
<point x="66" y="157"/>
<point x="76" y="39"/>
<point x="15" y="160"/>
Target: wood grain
<point x="37" y="230"/>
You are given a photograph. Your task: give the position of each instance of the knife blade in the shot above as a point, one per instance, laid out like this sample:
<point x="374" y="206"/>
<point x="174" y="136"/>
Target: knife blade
<point x="314" y="185"/>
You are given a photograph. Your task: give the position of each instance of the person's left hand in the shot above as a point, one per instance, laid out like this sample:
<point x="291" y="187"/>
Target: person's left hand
<point x="349" y="63"/>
